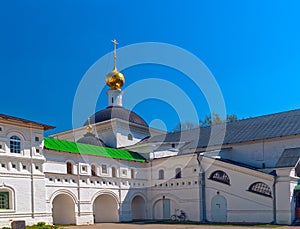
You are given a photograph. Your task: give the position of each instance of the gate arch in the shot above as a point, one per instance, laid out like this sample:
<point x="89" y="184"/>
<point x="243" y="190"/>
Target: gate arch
<point x="63" y="209"/>
<point x="138" y="208"/>
<point x="105" y="209"/>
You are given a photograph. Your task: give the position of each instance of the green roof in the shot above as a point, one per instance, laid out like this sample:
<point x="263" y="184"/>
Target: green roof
<point x="297" y="187"/>
<point x="74" y="147"/>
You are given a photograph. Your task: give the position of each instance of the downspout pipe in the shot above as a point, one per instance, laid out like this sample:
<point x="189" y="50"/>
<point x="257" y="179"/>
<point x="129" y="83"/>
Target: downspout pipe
<point x="274" y="200"/>
<point x="31" y="175"/>
<point x="202" y="196"/>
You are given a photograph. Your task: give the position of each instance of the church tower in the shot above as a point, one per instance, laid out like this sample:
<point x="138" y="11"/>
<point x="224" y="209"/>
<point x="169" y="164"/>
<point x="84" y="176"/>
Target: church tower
<point x="114" y="126"/>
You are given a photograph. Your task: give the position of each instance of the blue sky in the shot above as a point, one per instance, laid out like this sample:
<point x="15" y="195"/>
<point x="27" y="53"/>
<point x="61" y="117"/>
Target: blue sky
<point x="251" y="47"/>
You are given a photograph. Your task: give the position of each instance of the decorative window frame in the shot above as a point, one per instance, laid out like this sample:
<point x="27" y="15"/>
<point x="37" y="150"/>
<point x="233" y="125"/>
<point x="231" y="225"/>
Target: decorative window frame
<point x="83" y="168"/>
<point x="220" y="176"/>
<point x="260" y="188"/>
<point x="19" y="135"/>
<point x="124" y="172"/>
<point x="38" y="150"/>
<point x="15" y="144"/>
<point x="11" y="193"/>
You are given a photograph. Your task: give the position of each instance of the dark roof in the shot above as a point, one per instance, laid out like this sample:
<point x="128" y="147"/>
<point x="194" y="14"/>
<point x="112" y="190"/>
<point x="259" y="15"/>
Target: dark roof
<point x="236" y="163"/>
<point x="117" y="112"/>
<point x="288" y="158"/>
<point x="245" y="130"/>
<point x="8" y="117"/>
<point x="91" y="139"/>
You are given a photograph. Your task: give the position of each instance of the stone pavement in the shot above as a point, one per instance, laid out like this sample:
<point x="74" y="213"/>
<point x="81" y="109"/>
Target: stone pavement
<point x="164" y="226"/>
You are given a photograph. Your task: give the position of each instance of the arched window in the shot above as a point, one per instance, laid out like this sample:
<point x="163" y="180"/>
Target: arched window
<point x="220" y="176"/>
<point x="129" y="137"/>
<point x="260" y="188"/>
<point x="69" y="168"/>
<point x="113" y="172"/>
<point x="93" y="170"/>
<point x="161" y="174"/>
<point x="6" y="199"/>
<point x="177" y="173"/>
<point x="132" y="173"/>
<point x="15" y="144"/>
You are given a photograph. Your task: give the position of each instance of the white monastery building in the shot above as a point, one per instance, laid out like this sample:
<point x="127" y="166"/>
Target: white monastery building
<point x="117" y="169"/>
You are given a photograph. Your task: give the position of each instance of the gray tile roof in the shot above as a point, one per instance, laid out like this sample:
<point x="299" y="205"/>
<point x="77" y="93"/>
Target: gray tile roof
<point x="288" y="158"/>
<point x="266" y="171"/>
<point x="262" y="127"/>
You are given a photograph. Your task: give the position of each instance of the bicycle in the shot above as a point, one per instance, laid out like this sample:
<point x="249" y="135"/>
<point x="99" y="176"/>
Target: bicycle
<point x="180" y="217"/>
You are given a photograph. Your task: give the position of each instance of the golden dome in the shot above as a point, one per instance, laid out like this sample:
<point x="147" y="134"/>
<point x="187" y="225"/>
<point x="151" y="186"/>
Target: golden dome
<point x="115" y="79"/>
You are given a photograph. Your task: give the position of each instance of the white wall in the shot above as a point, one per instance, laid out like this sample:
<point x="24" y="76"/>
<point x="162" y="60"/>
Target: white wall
<point x="257" y="152"/>
<point x="242" y="205"/>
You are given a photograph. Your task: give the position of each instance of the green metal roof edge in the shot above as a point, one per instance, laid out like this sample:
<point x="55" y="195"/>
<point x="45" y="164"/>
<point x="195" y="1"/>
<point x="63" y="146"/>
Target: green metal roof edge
<point x="74" y="147"/>
<point x="297" y="187"/>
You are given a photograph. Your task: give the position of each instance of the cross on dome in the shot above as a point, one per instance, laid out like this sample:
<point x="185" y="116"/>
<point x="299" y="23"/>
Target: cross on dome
<point x="115" y="79"/>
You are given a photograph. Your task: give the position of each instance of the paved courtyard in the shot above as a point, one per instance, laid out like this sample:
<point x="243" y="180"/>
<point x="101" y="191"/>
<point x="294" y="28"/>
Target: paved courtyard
<point x="164" y="226"/>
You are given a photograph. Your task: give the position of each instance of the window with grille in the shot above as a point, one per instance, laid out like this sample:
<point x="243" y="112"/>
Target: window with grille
<point x="220" y="176"/>
<point x="15" y="144"/>
<point x="261" y="189"/>
<point x="4" y="200"/>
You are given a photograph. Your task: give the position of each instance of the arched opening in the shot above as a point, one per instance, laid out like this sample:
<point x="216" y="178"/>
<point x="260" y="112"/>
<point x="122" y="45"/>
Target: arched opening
<point x="162" y="209"/>
<point x="63" y="210"/>
<point x="177" y="173"/>
<point x="129" y="137"/>
<point x="220" y="176"/>
<point x="138" y="208"/>
<point x="69" y="168"/>
<point x="93" y="170"/>
<point x="132" y="173"/>
<point x="105" y="209"/>
<point x="261" y="189"/>
<point x="219" y="209"/>
<point x="113" y="172"/>
<point x="161" y="174"/>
